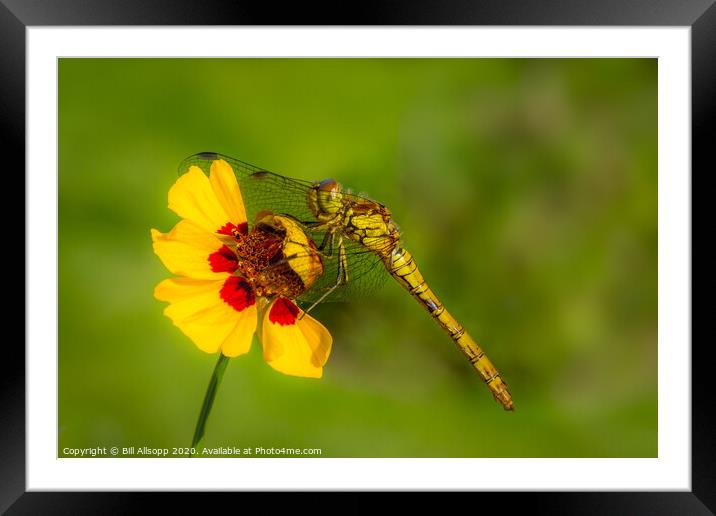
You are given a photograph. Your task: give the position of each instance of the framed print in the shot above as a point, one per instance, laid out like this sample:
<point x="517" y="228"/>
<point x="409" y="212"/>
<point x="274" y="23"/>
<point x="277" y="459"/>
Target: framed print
<point x="207" y="193"/>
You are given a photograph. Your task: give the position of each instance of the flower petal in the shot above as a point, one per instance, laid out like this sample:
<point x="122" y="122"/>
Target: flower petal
<point x="188" y="250"/>
<point x="197" y="309"/>
<point x="192" y="197"/>
<point x="294" y="345"/>
<point x="238" y="342"/>
<point x="223" y="182"/>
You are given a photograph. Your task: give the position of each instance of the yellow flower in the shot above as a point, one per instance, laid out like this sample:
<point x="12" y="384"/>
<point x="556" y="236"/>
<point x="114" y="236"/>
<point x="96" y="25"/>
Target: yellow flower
<point x="221" y="295"/>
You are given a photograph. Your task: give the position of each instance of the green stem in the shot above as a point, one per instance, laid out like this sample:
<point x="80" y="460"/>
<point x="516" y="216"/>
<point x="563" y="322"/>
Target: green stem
<point x="209" y="399"/>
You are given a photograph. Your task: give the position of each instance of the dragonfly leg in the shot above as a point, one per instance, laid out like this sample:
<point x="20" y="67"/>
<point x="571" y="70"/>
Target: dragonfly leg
<point x="328" y="239"/>
<point x="341" y="276"/>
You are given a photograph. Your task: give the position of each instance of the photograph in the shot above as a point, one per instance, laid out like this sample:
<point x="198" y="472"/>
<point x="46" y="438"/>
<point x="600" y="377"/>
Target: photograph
<point x="357" y="257"/>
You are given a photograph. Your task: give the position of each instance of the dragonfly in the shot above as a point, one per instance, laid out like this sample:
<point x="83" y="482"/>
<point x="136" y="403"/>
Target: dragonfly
<point x="358" y="242"/>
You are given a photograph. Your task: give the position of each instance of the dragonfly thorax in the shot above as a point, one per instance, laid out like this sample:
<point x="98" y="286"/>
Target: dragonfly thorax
<point x="325" y="199"/>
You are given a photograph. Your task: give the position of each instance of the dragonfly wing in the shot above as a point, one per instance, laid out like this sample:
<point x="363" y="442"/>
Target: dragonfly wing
<point x="260" y="189"/>
<point x="366" y="274"/>
<point x="264" y="190"/>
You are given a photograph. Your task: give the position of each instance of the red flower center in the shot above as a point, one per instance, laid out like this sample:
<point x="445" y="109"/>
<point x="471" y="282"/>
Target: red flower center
<point x="237" y="293"/>
<point x="283" y="312"/>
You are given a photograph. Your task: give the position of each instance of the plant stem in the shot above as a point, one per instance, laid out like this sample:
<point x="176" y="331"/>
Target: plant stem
<point x="216" y="377"/>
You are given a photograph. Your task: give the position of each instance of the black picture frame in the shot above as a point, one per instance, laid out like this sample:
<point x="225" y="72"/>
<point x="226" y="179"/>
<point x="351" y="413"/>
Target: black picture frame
<point x="17" y="15"/>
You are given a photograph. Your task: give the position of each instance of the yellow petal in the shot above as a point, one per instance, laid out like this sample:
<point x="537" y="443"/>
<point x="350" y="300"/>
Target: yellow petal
<point x="187" y="250"/>
<point x="193" y="198"/>
<point x="298" y="347"/>
<point x="178" y="289"/>
<point x="238" y="342"/>
<point x="197" y="309"/>
<point x="226" y="189"/>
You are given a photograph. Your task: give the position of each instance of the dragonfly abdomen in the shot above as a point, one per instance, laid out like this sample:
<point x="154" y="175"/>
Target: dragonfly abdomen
<point x="403" y="268"/>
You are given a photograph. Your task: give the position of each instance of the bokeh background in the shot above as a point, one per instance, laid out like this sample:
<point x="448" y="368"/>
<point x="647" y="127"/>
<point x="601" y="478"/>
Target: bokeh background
<point x="525" y="188"/>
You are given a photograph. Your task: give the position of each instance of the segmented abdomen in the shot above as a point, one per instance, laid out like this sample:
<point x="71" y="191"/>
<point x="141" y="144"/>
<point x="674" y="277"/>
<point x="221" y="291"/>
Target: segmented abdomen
<point x="403" y="268"/>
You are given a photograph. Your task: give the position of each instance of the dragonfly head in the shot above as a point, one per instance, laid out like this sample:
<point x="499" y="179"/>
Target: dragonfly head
<point x="325" y="199"/>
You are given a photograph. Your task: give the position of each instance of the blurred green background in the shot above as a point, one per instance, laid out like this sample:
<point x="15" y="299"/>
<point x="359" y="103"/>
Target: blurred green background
<point x="526" y="190"/>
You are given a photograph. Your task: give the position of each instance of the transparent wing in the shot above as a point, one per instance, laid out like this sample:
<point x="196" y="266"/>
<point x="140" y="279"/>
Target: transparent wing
<point x="260" y="189"/>
<point x="365" y="271"/>
<point x="265" y="190"/>
<point x="366" y="274"/>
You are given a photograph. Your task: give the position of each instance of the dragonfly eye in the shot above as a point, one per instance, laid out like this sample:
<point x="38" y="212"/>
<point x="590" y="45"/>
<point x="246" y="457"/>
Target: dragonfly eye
<point x="328" y="185"/>
<point x="325" y="198"/>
